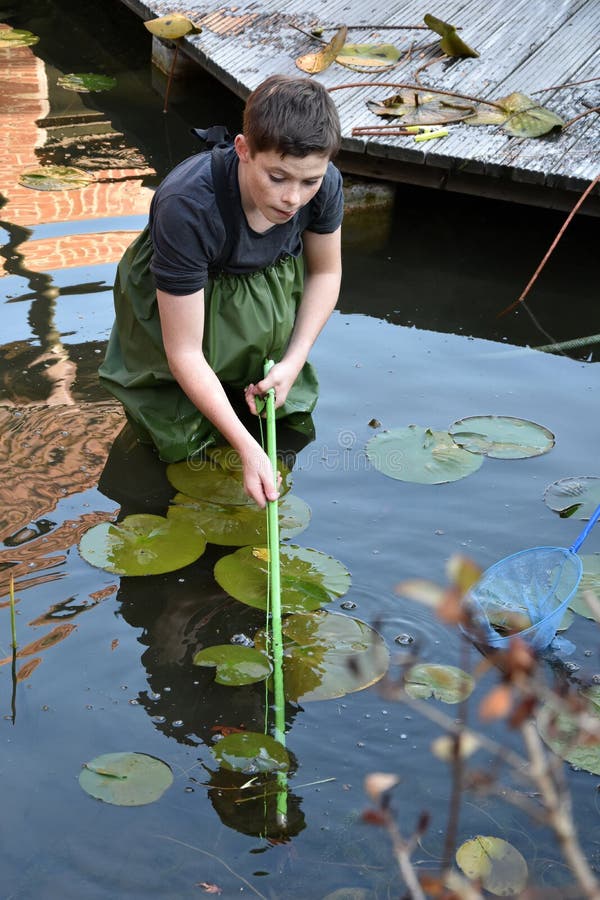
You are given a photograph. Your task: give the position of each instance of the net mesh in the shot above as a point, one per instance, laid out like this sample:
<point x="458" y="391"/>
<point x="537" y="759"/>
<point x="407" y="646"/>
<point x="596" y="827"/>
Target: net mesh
<point x="524" y="594"/>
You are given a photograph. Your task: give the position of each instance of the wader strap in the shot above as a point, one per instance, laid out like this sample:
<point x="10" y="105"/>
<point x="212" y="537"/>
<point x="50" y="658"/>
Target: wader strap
<point x="224" y="202"/>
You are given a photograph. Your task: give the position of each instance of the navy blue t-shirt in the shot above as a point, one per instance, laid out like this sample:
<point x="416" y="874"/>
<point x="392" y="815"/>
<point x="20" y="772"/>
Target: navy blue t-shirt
<point x="188" y="233"/>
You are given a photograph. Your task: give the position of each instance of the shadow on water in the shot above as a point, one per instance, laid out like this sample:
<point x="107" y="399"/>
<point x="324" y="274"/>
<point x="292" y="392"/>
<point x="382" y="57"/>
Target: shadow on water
<point x="416" y="338"/>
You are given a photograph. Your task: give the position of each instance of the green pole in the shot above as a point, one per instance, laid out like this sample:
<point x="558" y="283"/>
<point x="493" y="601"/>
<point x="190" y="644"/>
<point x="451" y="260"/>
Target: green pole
<point x="275" y="590"/>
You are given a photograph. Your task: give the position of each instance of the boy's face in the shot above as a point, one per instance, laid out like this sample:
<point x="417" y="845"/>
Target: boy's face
<point x="276" y="186"/>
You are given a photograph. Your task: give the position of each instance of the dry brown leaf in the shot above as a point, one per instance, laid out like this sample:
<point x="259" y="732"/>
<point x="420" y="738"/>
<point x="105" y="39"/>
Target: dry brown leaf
<point x="318" y="62"/>
<point x="377" y="783"/>
<point x="496" y="704"/>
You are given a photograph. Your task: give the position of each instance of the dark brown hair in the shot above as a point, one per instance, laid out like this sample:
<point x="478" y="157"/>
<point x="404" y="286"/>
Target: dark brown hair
<point x="293" y="116"/>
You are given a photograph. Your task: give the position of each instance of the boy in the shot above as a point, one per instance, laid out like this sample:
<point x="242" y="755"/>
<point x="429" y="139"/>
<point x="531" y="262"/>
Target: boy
<point x="240" y="262"/>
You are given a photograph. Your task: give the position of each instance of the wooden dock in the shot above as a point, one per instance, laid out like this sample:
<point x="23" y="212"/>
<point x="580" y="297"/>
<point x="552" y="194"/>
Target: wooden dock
<point x="526" y="46"/>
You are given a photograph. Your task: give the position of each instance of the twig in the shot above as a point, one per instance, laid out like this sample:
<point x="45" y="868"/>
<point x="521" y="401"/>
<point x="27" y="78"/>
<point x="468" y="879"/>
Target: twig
<point x="415" y="87"/>
<point x="425" y="65"/>
<point x="534" y="277"/>
<point x="594" y="109"/>
<point x="558" y="87"/>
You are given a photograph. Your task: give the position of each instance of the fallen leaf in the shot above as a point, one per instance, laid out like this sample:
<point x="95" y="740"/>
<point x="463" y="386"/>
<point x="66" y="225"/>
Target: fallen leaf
<point x="114" y="643"/>
<point x="377" y="783"/>
<point x="209" y="888"/>
<point x="318" y="62"/>
<point x="496" y="704"/>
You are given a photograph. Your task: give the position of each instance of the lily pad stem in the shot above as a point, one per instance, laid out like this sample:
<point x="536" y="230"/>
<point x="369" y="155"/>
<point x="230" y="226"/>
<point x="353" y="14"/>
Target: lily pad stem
<point x="416" y="87"/>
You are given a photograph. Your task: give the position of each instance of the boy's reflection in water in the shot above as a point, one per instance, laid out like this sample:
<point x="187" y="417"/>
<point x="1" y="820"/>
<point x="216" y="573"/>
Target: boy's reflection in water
<point x="180" y="613"/>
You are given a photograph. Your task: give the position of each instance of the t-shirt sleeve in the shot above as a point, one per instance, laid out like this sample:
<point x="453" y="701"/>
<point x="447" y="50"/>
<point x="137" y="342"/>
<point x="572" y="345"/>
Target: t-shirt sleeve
<point x="185" y="242"/>
<point x="327" y="207"/>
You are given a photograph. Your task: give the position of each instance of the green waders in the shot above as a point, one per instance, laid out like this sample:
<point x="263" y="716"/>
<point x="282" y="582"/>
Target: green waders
<point x="248" y="318"/>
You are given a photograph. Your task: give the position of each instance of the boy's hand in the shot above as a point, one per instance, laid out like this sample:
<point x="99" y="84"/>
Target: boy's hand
<point x="281" y="377"/>
<point x="258" y="476"/>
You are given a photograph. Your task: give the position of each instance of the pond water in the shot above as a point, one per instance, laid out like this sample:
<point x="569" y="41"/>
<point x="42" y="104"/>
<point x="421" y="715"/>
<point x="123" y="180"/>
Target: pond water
<point x="416" y="339"/>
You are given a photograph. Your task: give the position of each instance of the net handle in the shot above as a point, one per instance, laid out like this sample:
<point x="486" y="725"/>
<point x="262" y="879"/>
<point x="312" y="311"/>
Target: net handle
<point x="581" y="538"/>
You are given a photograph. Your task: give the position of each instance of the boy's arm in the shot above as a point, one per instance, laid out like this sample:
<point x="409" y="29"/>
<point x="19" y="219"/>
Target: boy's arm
<point x="182" y="325"/>
<point x="323" y="262"/>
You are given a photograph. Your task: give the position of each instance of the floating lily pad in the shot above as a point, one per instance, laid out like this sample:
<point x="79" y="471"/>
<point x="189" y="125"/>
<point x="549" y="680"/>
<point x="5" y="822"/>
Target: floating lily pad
<point x="126" y="779"/>
<point x="251" y="753"/>
<point x="590" y="581"/>
<point x="16" y="37"/>
<point x="171" y="27"/>
<point x="238" y="526"/>
<point x="235" y="664"/>
<point x="451" y="44"/>
<point x="318" y="62"/>
<point x="445" y="683"/>
<point x="578" y="495"/>
<point x="421" y="455"/>
<point x="564" y="736"/>
<point x="218" y="478"/>
<point x="368" y="56"/>
<point x="328" y="655"/>
<point x="502" y="437"/>
<point x="56" y="178"/>
<point x="142" y="544"/>
<point x="499" y="866"/>
<point x="309" y="578"/>
<point x="86" y="82"/>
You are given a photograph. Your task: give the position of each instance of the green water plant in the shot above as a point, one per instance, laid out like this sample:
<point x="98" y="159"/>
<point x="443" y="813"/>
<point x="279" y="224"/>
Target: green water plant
<point x="86" y="82"/>
<point x="142" y="544"/>
<point x="235" y="665"/>
<point x="240" y="525"/>
<point x="328" y="655"/>
<point x="495" y="863"/>
<point x="55" y="178"/>
<point x="502" y="437"/>
<point x="16" y="37"/>
<point x="577" y="495"/>
<point x="420" y="455"/>
<point x="126" y="779"/>
<point x="446" y="683"/>
<point x="251" y="753"/>
<point x="309" y="578"/>
<point x="590" y="582"/>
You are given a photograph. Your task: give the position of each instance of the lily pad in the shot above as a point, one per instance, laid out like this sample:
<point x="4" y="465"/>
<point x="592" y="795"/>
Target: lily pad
<point x="142" y="544"/>
<point x="451" y="44"/>
<point x="563" y="735"/>
<point x="420" y="455"/>
<point x="519" y="115"/>
<point x="445" y="683"/>
<point x="309" y="578"/>
<point x="126" y="779"/>
<point x="86" y="82"/>
<point x="235" y="665"/>
<point x="590" y="581"/>
<point x="328" y="655"/>
<point x="16" y="37"/>
<point x="251" y="753"/>
<point x="238" y="526"/>
<point x="499" y="866"/>
<point x="401" y="103"/>
<point x="318" y="62"/>
<point x="171" y="27"/>
<point x="502" y="437"/>
<point x="218" y="478"/>
<point x="578" y="495"/>
<point x="56" y="178"/>
<point x="368" y="56"/>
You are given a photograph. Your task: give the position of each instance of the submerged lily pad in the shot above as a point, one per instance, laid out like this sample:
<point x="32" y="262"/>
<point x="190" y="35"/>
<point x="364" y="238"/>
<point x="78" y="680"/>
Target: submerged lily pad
<point x="502" y="437"/>
<point x="590" y="581"/>
<point x="218" y="478"/>
<point x="371" y="56"/>
<point x="235" y="664"/>
<point x="328" y="655"/>
<point x="56" y="178"/>
<point x="499" y="866"/>
<point x="445" y="683"/>
<point x="142" y="544"/>
<point x="421" y="455"/>
<point x="238" y="526"/>
<point x="126" y="779"/>
<point x="563" y="735"/>
<point x="578" y="495"/>
<point x="252" y="753"/>
<point x="309" y="578"/>
<point x="16" y="37"/>
<point x="86" y="82"/>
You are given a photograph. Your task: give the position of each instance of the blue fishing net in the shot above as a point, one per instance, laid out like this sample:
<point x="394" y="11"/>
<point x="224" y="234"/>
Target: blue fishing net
<point x="525" y="594"/>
